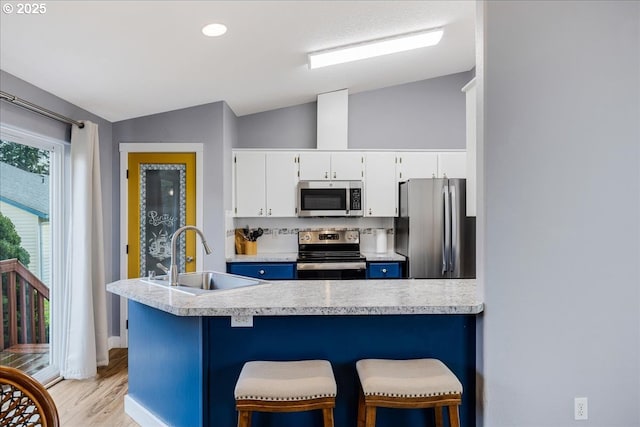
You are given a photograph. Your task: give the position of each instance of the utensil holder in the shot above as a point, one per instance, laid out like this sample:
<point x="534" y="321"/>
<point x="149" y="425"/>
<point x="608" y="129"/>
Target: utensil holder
<point x="244" y="246"/>
<point x="250" y="248"/>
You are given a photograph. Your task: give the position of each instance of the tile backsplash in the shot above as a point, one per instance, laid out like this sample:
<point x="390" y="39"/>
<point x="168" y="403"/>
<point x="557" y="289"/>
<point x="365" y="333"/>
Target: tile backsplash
<point x="281" y="234"/>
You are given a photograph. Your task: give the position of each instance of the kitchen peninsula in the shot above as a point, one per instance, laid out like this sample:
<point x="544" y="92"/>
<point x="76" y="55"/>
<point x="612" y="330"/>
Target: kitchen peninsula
<point x="185" y="353"/>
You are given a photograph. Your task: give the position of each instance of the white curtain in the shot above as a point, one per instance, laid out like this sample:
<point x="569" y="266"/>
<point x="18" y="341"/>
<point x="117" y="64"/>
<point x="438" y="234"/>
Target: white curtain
<point x="84" y="340"/>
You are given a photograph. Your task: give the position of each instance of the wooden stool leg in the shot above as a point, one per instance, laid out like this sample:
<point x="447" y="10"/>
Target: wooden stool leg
<point x="244" y="418"/>
<point x="454" y="418"/>
<point x="361" y="410"/>
<point x="438" y="410"/>
<point x="370" y="416"/>
<point x="327" y="415"/>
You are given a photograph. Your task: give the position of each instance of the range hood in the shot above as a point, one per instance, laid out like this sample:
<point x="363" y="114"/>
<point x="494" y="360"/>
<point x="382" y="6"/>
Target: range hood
<point x="333" y="118"/>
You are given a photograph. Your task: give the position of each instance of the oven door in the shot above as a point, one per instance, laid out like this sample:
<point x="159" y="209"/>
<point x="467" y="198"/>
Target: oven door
<point x="332" y="270"/>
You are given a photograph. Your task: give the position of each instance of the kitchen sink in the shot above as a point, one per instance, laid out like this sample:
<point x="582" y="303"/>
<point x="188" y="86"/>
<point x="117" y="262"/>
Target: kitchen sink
<point x="204" y="282"/>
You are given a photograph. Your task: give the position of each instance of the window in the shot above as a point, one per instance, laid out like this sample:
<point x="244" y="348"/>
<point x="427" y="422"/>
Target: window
<point x="32" y="206"/>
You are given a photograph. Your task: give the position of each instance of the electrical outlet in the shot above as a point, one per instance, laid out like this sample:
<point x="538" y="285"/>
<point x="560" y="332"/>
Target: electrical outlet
<point x="242" y="321"/>
<point x="580" y="408"/>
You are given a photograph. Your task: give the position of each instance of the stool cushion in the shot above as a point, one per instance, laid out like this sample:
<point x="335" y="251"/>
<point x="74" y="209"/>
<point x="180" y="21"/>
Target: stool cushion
<point x="288" y="381"/>
<point x="407" y="378"/>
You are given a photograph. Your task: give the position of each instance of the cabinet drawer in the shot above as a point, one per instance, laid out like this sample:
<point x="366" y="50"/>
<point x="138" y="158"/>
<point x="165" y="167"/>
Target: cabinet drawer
<point x="383" y="270"/>
<point x="273" y="271"/>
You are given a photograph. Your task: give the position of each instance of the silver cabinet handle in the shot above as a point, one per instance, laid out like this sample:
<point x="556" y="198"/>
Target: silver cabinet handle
<point x="261" y="272"/>
<point x="326" y="175"/>
<point x="189" y="259"/>
<point x="334" y="175"/>
<point x="384" y="271"/>
<point x="260" y="213"/>
<point x="269" y="211"/>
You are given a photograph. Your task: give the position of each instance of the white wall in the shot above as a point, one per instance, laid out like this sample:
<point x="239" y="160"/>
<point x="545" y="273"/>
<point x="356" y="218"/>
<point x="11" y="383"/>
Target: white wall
<point x="562" y="207"/>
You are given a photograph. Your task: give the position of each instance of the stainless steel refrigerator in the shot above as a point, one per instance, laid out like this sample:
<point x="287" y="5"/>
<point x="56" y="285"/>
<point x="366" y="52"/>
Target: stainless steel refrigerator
<point x="433" y="231"/>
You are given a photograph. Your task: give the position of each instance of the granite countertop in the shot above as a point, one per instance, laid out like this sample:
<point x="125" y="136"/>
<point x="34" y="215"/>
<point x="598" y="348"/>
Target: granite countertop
<point x="313" y="297"/>
<point x="293" y="257"/>
<point x="386" y="256"/>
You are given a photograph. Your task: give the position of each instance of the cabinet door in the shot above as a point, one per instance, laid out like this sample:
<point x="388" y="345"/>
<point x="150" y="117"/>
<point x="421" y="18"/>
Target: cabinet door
<point x="281" y="181"/>
<point x="380" y="186"/>
<point x="315" y="166"/>
<point x="383" y="270"/>
<point x="417" y="165"/>
<point x="273" y="271"/>
<point x="452" y="165"/>
<point x="249" y="178"/>
<point x="346" y="166"/>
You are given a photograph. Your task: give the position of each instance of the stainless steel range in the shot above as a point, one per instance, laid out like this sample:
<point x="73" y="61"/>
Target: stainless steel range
<point x="330" y="254"/>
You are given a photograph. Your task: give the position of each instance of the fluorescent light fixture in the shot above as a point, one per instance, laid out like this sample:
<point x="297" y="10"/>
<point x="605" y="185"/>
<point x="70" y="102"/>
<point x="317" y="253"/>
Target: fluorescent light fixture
<point x="374" y="48"/>
<point x="214" y="30"/>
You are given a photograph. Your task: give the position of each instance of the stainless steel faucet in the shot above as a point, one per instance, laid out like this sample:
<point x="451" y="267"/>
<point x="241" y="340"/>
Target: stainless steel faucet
<point x="173" y="270"/>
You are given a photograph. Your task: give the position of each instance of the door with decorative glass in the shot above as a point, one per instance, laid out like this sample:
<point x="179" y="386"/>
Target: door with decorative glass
<point x="161" y="199"/>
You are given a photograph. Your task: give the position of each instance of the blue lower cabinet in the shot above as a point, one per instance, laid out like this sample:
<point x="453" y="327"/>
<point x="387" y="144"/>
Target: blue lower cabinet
<point x="384" y="270"/>
<point x="272" y="271"/>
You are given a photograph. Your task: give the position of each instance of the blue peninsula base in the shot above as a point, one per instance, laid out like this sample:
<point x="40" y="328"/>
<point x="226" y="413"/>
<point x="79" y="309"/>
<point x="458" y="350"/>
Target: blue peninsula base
<point x="183" y="369"/>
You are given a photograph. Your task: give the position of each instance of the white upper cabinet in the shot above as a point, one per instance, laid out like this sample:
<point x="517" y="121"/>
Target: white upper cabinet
<point x="265" y="183"/>
<point x="380" y="186"/>
<point x="281" y="183"/>
<point x="452" y="165"/>
<point x="250" y="187"/>
<point x="323" y="165"/>
<point x="347" y="166"/>
<point x="416" y="164"/>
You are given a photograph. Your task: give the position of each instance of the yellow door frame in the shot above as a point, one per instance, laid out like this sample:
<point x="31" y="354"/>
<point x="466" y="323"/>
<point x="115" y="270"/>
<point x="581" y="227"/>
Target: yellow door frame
<point x="134" y="162"/>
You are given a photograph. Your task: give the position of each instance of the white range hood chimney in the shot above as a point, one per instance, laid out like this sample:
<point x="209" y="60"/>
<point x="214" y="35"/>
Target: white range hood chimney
<point x="333" y="117"/>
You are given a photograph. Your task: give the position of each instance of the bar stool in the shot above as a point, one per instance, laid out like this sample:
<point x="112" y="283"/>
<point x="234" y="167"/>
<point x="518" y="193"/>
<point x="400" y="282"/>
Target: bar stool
<point x="285" y="387"/>
<point x="415" y="383"/>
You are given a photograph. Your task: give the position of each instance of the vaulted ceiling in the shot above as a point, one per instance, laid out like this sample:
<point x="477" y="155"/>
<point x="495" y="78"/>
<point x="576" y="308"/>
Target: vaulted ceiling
<point x="124" y="59"/>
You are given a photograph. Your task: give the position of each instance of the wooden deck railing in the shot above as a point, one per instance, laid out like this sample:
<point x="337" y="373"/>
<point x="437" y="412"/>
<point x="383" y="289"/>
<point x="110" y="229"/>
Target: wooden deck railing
<point x="22" y="318"/>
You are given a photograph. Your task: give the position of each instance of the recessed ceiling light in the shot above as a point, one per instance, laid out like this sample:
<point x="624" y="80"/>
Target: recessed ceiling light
<point x="214" y="30"/>
<point x="374" y="48"/>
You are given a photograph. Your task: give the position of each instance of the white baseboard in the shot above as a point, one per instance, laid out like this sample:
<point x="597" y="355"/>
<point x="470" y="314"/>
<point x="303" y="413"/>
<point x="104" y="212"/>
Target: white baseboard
<point x="140" y="414"/>
<point x="113" y="342"/>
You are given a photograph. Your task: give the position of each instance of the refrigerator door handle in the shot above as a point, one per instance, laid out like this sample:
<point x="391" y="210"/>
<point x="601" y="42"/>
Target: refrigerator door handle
<point x="446" y="241"/>
<point x="454" y="230"/>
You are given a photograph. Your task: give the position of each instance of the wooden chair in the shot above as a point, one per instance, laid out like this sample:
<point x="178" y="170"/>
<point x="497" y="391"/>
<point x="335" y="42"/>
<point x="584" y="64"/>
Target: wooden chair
<point x="285" y="387"/>
<point x="24" y="401"/>
<point x="416" y="383"/>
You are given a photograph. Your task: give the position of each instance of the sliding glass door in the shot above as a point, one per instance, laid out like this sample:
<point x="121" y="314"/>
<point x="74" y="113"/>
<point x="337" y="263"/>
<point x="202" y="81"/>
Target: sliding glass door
<point x="31" y="250"/>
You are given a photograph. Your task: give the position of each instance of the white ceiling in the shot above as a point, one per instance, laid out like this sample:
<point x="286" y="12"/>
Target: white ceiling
<point x="124" y="59"/>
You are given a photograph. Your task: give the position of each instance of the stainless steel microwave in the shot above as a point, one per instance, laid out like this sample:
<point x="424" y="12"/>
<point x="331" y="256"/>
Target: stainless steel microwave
<point x="330" y="198"/>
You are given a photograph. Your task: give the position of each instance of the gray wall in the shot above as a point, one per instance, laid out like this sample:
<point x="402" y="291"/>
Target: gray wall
<point x="230" y="139"/>
<point x="19" y="117"/>
<point x="425" y="114"/>
<point x="200" y="124"/>
<point x="290" y="127"/>
<point x="562" y="209"/>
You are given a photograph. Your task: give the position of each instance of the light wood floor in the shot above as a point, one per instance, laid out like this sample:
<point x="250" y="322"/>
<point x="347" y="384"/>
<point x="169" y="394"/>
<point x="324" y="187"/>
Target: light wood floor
<point x="96" y="402"/>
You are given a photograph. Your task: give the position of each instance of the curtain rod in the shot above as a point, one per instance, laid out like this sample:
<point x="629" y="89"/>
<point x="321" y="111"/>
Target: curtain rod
<point x="37" y="109"/>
